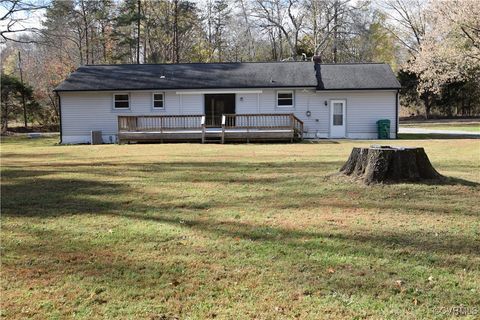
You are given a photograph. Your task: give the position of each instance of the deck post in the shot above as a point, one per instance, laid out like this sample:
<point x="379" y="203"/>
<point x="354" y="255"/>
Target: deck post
<point x="292" y="120"/>
<point x="248" y="128"/>
<point x="223" y="128"/>
<point x="118" y="130"/>
<point x="203" y="129"/>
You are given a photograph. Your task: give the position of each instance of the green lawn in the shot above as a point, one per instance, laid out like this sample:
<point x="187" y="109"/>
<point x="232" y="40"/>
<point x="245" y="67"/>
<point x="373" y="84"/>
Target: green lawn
<point x="473" y="126"/>
<point x="234" y="232"/>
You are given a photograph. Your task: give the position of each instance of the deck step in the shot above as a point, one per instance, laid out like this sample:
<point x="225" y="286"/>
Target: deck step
<point x="212" y="140"/>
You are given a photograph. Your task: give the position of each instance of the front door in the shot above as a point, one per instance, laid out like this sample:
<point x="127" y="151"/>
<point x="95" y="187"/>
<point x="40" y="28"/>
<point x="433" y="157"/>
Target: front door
<point x="337" y="119"/>
<point x="216" y="105"/>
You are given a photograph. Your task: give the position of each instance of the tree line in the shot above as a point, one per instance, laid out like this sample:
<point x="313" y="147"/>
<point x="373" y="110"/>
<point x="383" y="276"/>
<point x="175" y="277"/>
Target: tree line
<point x="432" y="45"/>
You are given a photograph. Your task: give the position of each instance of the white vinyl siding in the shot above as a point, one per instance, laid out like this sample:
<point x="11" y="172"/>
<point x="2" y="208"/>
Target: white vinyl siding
<point x="305" y="100"/>
<point x="247" y="103"/>
<point x="86" y="111"/>
<point x="191" y="104"/>
<point x="364" y="109"/>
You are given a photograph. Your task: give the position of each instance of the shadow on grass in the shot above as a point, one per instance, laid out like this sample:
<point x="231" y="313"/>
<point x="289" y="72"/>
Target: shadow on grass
<point x="320" y="141"/>
<point x="31" y="193"/>
<point x="54" y="197"/>
<point x="203" y="170"/>
<point x="305" y="254"/>
<point x="53" y="254"/>
<point x="442" y="181"/>
<point x="299" y="238"/>
<point x="451" y="181"/>
<point x="258" y="173"/>
<point x="36" y="156"/>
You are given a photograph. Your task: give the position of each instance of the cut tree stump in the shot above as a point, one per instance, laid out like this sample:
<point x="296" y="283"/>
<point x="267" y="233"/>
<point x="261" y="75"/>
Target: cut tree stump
<point x="389" y="164"/>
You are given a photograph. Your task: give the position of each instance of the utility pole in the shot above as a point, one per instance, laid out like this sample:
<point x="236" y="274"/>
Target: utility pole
<point x="335" y="31"/>
<point x="138" y="31"/>
<point x="23" y="91"/>
<point x="176" y="56"/>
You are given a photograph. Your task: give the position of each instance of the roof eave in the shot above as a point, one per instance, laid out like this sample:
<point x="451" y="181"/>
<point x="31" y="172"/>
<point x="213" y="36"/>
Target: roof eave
<point x="225" y="88"/>
<point x="355" y="89"/>
<point x="193" y="88"/>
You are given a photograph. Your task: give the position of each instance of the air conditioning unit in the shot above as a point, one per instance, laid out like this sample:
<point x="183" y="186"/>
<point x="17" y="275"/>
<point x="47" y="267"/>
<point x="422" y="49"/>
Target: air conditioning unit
<point x="96" y="137"/>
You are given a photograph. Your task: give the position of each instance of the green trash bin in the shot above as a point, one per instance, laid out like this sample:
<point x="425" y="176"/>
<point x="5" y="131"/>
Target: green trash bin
<point x="383" y="127"/>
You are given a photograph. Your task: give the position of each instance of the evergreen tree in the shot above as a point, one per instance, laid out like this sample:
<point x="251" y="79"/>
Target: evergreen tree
<point x="12" y="91"/>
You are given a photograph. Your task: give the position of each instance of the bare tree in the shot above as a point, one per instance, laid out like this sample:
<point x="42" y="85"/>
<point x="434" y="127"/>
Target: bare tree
<point x="408" y="24"/>
<point x="248" y="29"/>
<point x="319" y="23"/>
<point x="16" y="17"/>
<point x="218" y="16"/>
<point x="407" y="21"/>
<point x="272" y="12"/>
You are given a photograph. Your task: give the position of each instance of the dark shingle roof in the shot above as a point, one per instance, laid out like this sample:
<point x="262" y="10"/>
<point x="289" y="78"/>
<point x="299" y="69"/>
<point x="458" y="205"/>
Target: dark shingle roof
<point x="229" y="75"/>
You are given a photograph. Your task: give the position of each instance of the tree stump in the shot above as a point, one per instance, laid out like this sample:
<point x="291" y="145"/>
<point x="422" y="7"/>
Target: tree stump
<point x="389" y="164"/>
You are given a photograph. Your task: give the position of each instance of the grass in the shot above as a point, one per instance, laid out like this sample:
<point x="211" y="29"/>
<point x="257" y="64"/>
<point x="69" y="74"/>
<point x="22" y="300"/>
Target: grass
<point x="233" y="232"/>
<point x="473" y="126"/>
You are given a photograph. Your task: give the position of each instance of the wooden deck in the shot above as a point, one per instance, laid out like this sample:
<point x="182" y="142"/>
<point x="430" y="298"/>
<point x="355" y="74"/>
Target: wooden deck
<point x="234" y="128"/>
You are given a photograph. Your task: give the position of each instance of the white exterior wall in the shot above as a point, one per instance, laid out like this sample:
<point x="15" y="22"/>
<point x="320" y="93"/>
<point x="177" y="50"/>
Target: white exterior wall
<point x="83" y="112"/>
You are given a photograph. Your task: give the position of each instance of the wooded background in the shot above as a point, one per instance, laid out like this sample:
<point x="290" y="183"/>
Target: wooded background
<point x="433" y="46"/>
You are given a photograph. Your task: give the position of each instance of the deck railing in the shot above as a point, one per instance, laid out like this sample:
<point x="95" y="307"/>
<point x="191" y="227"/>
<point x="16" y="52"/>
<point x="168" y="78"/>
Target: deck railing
<point x="159" y="123"/>
<point x="297" y="126"/>
<point x="249" y="122"/>
<point x="273" y="121"/>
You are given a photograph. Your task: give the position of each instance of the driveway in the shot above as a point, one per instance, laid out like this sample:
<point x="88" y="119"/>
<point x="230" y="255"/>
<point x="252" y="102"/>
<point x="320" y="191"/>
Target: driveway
<point x="437" y="131"/>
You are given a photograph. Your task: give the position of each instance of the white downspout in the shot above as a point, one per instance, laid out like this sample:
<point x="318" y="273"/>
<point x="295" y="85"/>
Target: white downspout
<point x="258" y="102"/>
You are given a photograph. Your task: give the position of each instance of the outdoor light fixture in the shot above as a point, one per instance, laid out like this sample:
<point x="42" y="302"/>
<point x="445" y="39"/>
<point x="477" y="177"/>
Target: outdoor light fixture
<point x="326" y="103"/>
<point x="241" y="98"/>
<point x="308" y="113"/>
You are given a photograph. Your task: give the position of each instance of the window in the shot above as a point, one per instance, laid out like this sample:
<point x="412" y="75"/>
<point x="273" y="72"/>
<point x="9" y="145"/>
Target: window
<point x="158" y="102"/>
<point x="337" y="114"/>
<point x="121" y="101"/>
<point x="284" y="99"/>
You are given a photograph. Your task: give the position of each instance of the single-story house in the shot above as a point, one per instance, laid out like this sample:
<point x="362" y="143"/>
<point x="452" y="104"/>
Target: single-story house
<point x="222" y="101"/>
